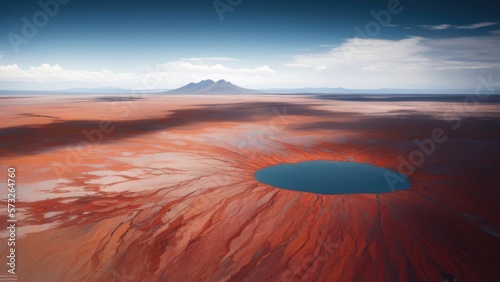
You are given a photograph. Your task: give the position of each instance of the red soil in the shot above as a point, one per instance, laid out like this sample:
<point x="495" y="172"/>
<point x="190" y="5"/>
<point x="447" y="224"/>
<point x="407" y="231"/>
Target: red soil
<point x="169" y="193"/>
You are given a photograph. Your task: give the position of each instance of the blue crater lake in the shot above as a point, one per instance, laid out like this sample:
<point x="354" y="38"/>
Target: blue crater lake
<point x="333" y="177"/>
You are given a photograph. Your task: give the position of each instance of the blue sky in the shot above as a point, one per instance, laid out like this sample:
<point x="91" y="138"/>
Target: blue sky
<point x="253" y="43"/>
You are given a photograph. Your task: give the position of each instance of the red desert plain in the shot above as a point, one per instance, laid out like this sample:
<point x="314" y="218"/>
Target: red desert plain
<point x="162" y="188"/>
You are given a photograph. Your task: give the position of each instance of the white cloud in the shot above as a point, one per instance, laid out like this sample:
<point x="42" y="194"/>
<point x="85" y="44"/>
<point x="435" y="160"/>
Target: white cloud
<point x="183" y="71"/>
<point x="48" y="73"/>
<point x="449" y="26"/>
<point x="358" y="51"/>
<point x="412" y="62"/>
<point x="439" y="27"/>
<point x="169" y="75"/>
<point x="495" y="32"/>
<point x="477" y="25"/>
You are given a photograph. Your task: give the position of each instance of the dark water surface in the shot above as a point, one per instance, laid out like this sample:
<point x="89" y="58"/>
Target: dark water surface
<point x="333" y="177"/>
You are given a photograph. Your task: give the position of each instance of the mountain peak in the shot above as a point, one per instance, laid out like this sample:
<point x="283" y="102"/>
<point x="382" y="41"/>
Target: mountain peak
<point x="208" y="86"/>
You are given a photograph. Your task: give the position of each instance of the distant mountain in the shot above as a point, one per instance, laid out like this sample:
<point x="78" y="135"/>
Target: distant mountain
<point x="224" y="87"/>
<point x="211" y="87"/>
<point x="306" y="90"/>
<point x="100" y="90"/>
<point x="340" y="90"/>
